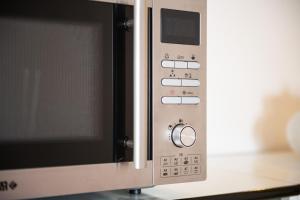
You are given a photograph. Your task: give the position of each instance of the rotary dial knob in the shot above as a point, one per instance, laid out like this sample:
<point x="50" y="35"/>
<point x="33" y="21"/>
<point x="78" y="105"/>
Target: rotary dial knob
<point x="183" y="135"/>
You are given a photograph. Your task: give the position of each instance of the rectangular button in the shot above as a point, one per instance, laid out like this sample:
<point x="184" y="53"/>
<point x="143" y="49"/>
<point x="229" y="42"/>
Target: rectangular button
<point x="175" y="161"/>
<point x="167" y="63"/>
<point x="185" y="160"/>
<point x="171" y="82"/>
<point x="175" y="171"/>
<point x="195" y="159"/>
<point x="190" y="82"/>
<point x="185" y="170"/>
<point x="165" y="172"/>
<point x="190" y="100"/>
<point x="165" y="161"/>
<point x="193" y="65"/>
<point x="195" y="169"/>
<point x="171" y="100"/>
<point x="180" y="64"/>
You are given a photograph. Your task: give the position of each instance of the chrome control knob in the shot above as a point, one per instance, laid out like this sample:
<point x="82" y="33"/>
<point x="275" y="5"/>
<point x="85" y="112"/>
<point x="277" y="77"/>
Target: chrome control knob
<point x="183" y="135"/>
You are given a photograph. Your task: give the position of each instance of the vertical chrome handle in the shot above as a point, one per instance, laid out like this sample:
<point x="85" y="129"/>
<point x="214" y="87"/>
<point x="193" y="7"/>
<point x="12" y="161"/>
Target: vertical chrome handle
<point x="140" y="83"/>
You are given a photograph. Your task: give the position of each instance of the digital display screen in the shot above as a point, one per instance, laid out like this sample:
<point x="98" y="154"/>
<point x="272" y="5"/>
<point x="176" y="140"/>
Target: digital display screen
<point x="180" y="27"/>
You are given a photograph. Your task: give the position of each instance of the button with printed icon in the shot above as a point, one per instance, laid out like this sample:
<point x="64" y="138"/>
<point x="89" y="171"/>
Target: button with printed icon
<point x="175" y="171"/>
<point x="165" y="161"/>
<point x="185" y="160"/>
<point x="165" y="172"/>
<point x="195" y="169"/>
<point x="175" y="161"/>
<point x="185" y="170"/>
<point x="195" y="159"/>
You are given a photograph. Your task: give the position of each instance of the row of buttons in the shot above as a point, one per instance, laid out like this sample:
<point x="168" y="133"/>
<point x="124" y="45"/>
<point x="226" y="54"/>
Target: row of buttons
<point x="180" y="100"/>
<point x="180" y="171"/>
<point x="180" y="82"/>
<point x="175" y="161"/>
<point x="180" y="64"/>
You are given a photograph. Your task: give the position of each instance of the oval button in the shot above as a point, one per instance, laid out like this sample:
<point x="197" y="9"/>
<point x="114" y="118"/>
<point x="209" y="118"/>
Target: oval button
<point x="171" y="82"/>
<point x="167" y="64"/>
<point x="190" y="100"/>
<point x="181" y="64"/>
<point x="193" y="65"/>
<point x="171" y="100"/>
<point x="190" y="82"/>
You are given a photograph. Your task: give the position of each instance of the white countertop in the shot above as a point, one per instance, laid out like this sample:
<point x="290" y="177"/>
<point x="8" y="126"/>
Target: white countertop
<point x="226" y="175"/>
<point x="237" y="173"/>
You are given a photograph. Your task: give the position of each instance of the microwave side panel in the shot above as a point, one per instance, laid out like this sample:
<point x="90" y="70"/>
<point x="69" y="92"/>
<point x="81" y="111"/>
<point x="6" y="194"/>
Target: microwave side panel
<point x="179" y="94"/>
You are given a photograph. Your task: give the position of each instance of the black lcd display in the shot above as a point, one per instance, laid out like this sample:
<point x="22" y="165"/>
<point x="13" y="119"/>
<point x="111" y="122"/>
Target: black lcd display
<point x="180" y="27"/>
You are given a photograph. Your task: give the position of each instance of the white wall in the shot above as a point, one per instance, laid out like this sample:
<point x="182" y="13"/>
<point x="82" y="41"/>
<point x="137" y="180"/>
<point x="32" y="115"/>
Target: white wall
<point x="253" y="73"/>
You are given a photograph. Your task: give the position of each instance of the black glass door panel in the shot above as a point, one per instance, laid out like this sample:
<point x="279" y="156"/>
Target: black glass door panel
<point x="56" y="83"/>
<point x="123" y="72"/>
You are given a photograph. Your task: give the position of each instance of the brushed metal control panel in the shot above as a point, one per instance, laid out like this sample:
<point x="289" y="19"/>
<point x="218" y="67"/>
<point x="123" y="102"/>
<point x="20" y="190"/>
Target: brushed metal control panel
<point x="179" y="100"/>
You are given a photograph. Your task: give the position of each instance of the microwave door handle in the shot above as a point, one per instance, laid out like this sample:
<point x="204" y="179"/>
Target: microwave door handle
<point x="140" y="89"/>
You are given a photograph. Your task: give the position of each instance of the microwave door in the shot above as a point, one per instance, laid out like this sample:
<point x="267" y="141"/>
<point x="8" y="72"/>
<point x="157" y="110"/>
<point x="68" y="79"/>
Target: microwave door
<point x="59" y="103"/>
<point x="67" y="99"/>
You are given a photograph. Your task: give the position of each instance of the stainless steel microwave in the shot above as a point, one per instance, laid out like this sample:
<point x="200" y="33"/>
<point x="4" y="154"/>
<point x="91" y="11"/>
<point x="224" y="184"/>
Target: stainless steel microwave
<point x="101" y="95"/>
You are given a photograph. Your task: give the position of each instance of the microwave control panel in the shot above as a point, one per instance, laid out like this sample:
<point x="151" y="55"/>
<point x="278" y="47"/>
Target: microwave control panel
<point x="179" y="91"/>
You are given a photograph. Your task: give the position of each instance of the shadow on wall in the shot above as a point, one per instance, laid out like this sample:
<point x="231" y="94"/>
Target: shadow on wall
<point x="271" y="127"/>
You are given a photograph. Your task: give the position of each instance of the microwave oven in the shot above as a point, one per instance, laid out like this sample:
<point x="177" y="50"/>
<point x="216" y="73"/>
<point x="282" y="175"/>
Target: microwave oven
<point x="101" y="95"/>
